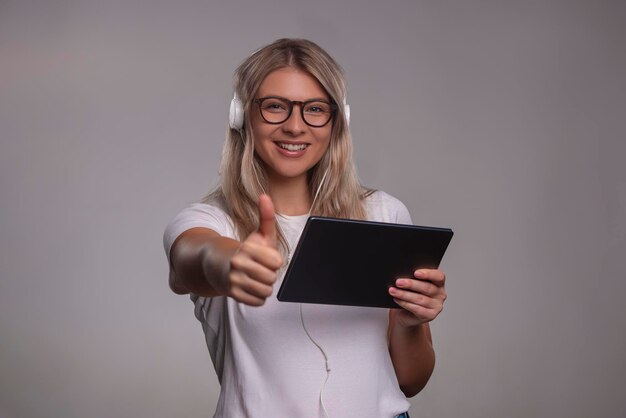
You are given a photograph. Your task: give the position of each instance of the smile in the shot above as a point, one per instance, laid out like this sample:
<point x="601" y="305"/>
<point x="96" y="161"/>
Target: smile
<point x="292" y="147"/>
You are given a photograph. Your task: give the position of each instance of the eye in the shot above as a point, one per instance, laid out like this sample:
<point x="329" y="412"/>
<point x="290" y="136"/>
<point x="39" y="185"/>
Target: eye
<point x="317" y="108"/>
<point x="274" y="106"/>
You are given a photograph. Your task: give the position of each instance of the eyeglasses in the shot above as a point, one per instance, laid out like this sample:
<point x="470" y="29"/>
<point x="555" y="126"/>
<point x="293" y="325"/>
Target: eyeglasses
<point x="276" y="110"/>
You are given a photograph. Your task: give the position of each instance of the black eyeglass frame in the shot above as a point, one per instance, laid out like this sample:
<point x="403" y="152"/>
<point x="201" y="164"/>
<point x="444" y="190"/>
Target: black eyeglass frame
<point x="291" y="103"/>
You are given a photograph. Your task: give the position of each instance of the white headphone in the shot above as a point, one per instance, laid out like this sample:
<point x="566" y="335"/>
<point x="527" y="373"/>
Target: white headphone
<point x="235" y="115"/>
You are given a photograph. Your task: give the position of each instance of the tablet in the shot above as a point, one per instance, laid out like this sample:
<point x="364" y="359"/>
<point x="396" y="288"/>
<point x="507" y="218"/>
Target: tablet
<point x="348" y="262"/>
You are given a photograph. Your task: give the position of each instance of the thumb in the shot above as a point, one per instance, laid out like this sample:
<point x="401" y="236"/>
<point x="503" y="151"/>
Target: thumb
<point x="267" y="218"/>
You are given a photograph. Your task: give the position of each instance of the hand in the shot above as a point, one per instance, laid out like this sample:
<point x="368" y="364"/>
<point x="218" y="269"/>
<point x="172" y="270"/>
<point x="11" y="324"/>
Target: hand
<point x="421" y="298"/>
<point x="253" y="267"/>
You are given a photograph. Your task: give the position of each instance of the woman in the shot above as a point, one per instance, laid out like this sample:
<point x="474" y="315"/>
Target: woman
<point x="288" y="155"/>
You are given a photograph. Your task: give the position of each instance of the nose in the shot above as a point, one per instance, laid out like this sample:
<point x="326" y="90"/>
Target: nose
<point x="295" y="124"/>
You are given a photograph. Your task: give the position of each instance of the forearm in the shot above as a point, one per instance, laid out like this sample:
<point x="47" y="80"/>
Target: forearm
<point x="199" y="262"/>
<point x="412" y="356"/>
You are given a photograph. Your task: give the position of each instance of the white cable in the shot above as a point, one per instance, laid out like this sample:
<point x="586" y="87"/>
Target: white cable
<point x="325" y="360"/>
<point x="302" y="314"/>
<point x="322" y="393"/>
<point x="317" y="192"/>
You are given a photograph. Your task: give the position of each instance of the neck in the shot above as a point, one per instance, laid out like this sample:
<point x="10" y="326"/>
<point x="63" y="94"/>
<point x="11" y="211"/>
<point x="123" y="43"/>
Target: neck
<point x="291" y="196"/>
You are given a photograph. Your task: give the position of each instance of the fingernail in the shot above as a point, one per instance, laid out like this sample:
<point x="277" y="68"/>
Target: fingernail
<point x="402" y="283"/>
<point x="393" y="290"/>
<point x="418" y="273"/>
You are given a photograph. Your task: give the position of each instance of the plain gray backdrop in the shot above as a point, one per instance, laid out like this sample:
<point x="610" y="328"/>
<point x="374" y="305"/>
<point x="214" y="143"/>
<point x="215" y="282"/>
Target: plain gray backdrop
<point x="504" y="120"/>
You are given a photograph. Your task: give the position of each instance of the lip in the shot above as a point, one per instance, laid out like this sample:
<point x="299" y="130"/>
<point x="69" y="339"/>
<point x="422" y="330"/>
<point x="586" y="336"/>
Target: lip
<point x="291" y="153"/>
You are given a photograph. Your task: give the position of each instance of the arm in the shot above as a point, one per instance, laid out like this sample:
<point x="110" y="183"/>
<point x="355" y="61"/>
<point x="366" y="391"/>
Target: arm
<point x="410" y="341"/>
<point x="199" y="262"/>
<point x="207" y="264"/>
<point x="412" y="355"/>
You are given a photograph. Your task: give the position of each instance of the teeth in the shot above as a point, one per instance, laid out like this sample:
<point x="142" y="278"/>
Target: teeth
<point x="292" y="147"/>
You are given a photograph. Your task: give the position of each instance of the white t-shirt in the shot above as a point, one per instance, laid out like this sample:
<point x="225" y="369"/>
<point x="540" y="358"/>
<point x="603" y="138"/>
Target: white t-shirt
<point x="267" y="365"/>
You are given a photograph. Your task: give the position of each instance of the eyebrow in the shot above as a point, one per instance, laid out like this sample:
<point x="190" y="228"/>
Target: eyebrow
<point x="314" y="99"/>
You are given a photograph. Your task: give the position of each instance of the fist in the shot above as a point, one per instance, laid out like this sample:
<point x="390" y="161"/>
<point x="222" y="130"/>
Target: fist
<point x="254" y="265"/>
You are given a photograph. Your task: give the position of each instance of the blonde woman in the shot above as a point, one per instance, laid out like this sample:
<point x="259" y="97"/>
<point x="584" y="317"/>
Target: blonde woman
<point x="287" y="155"/>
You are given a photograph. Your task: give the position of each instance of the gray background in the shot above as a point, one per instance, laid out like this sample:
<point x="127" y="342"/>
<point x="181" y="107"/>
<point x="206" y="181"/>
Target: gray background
<point x="501" y="119"/>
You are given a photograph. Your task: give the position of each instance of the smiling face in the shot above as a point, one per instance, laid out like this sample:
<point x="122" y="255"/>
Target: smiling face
<point x="289" y="149"/>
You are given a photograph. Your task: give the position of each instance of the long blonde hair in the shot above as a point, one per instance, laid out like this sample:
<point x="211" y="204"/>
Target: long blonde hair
<point x="243" y="177"/>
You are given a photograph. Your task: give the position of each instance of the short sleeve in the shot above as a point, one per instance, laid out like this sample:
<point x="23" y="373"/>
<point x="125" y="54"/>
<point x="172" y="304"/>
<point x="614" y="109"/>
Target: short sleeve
<point x="382" y="207"/>
<point x="198" y="215"/>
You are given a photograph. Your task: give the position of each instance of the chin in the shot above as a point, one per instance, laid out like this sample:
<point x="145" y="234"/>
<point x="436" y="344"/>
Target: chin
<point x="289" y="172"/>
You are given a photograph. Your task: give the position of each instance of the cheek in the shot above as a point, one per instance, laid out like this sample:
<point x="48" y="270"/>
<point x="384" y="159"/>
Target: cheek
<point x="261" y="134"/>
<point x="325" y="137"/>
<point x="257" y="126"/>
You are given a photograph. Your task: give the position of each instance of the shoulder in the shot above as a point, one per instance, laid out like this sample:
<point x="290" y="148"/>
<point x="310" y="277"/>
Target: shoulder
<point x="383" y="207"/>
<point x="210" y="215"/>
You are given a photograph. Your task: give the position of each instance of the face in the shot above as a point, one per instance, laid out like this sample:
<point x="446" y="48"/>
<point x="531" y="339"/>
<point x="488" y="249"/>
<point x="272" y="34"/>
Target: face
<point x="289" y="149"/>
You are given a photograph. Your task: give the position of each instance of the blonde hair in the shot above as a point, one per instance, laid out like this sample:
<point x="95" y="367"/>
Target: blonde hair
<point x="243" y="177"/>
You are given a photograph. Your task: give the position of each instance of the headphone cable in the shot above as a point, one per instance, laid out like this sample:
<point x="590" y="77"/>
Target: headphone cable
<point x="325" y="360"/>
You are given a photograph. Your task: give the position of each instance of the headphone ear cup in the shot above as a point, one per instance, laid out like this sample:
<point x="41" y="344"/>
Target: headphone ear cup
<point x="235" y="115"/>
<point x="346" y="111"/>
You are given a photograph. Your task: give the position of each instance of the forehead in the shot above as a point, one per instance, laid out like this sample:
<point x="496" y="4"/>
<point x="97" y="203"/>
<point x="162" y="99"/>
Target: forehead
<point x="291" y="83"/>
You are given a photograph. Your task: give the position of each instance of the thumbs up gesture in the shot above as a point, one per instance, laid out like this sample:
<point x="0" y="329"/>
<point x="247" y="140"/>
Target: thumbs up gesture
<point x="267" y="219"/>
<point x="253" y="267"/>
